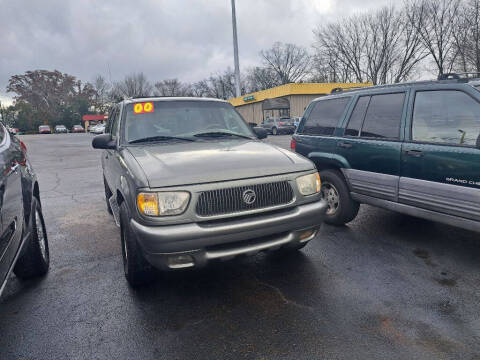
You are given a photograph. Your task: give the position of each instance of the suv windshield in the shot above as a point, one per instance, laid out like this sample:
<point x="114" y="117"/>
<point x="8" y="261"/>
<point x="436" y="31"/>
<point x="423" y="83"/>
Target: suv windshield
<point x="182" y="119"/>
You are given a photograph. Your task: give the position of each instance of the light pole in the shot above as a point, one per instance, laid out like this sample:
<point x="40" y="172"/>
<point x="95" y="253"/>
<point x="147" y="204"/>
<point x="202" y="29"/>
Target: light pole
<point x="235" y="51"/>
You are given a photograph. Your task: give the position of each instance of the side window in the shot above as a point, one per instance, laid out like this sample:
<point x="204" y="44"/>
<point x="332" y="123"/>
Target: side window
<point x="325" y="116"/>
<point x="358" y="114"/>
<point x="446" y="116"/>
<point x="383" y="116"/>
<point x="108" y="129"/>
<point x="115" y="122"/>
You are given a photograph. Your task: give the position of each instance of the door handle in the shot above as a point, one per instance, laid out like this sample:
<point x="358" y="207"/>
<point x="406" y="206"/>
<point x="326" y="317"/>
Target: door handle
<point x="414" y="153"/>
<point x="345" y="145"/>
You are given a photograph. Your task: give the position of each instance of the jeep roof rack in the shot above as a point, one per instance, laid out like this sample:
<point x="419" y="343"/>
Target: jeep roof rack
<point x="465" y="76"/>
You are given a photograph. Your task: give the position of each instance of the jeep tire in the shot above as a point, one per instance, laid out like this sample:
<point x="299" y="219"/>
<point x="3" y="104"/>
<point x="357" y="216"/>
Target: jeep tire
<point x="341" y="207"/>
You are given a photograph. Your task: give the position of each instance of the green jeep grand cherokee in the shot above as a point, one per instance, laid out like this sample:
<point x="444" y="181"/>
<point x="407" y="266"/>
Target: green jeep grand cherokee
<point x="412" y="148"/>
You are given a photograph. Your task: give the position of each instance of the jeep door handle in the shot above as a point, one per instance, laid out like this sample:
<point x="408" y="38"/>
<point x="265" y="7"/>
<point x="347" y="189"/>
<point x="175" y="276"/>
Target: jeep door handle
<point x="414" y="153"/>
<point x="345" y="145"/>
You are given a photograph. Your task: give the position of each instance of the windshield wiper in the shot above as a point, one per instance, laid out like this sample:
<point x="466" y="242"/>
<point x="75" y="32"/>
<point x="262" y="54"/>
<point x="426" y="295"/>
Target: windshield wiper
<point x="221" y="133"/>
<point x="159" y="138"/>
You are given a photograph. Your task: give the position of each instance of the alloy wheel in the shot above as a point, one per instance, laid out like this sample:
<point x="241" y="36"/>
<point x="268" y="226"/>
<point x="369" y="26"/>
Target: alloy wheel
<point x="330" y="195"/>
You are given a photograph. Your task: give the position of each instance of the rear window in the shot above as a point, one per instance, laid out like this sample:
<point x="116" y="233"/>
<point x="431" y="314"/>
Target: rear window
<point x="44" y="127"/>
<point x="325" y="116"/>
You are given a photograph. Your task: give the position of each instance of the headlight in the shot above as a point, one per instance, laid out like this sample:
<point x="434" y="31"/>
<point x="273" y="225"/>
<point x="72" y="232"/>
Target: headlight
<point x="309" y="184"/>
<point x="163" y="203"/>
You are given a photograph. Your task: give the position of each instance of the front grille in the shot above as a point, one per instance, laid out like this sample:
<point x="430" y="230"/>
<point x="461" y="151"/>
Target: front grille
<point x="231" y="200"/>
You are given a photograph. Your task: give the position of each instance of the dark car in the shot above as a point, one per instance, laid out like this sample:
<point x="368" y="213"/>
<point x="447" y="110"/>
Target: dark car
<point x="60" y="129"/>
<point x="412" y="148"/>
<point x="23" y="239"/>
<point x="279" y="126"/>
<point x="188" y="182"/>
<point x="44" y="129"/>
<point x="78" y="129"/>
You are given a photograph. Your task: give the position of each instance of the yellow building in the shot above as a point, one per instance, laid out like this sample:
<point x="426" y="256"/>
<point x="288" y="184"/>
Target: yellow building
<point x="285" y="100"/>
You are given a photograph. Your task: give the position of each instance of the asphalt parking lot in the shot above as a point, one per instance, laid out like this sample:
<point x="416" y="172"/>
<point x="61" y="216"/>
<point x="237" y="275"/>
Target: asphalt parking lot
<point x="387" y="286"/>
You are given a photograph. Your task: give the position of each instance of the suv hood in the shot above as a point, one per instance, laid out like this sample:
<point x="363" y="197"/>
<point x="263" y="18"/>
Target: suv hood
<point x="172" y="164"/>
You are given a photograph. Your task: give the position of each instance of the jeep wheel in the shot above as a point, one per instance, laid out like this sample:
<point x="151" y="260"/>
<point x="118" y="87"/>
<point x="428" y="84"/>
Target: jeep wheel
<point x="137" y="270"/>
<point x="108" y="195"/>
<point x="274" y="131"/>
<point x="36" y="259"/>
<point x="341" y="208"/>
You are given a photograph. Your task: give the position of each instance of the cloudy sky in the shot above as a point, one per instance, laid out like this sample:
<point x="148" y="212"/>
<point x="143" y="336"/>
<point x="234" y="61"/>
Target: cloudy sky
<point x="185" y="39"/>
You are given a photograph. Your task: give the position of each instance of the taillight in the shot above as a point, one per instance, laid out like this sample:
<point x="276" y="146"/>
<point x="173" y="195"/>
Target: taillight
<point x="293" y="144"/>
<point x="281" y="123"/>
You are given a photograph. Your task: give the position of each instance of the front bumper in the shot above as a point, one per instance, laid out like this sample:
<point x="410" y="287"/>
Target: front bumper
<point x="225" y="239"/>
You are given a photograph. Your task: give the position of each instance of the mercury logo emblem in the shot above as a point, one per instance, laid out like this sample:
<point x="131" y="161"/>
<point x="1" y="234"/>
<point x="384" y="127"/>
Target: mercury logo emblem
<point x="249" y="196"/>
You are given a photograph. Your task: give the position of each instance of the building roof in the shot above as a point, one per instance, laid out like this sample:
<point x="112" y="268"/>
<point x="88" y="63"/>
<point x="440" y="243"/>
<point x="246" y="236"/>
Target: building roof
<point x="94" y="117"/>
<point x="292" y="89"/>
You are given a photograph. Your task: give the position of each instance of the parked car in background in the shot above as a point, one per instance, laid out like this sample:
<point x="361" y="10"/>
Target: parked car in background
<point x="412" y="148"/>
<point x="23" y="242"/>
<point x="296" y="121"/>
<point x="188" y="182"/>
<point x="279" y="126"/>
<point x="60" y="129"/>
<point x="78" y="129"/>
<point x="91" y="128"/>
<point x="99" y="129"/>
<point x="44" y="129"/>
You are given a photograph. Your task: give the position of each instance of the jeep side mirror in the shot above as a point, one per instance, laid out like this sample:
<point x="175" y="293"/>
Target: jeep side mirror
<point x="104" y="141"/>
<point x="260" y="132"/>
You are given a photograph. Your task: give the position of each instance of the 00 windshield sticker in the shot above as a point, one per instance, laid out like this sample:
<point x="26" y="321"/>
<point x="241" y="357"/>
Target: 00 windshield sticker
<point x="142" y="108"/>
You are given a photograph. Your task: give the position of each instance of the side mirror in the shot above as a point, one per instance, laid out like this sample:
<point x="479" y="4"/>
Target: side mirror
<point x="104" y="141"/>
<point x="260" y="132"/>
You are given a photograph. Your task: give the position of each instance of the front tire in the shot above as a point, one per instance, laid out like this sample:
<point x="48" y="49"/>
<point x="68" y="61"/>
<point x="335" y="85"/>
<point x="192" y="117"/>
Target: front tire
<point x="341" y="207"/>
<point x="136" y="268"/>
<point x="274" y="131"/>
<point x="36" y="259"/>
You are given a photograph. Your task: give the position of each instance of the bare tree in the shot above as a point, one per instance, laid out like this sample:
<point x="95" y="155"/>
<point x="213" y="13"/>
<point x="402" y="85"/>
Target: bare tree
<point x="290" y="62"/>
<point x="467" y="36"/>
<point x="133" y="86"/>
<point x="411" y="50"/>
<point x="260" y="78"/>
<point x="172" y="87"/>
<point x="101" y="101"/>
<point x="435" y="21"/>
<point x="380" y="47"/>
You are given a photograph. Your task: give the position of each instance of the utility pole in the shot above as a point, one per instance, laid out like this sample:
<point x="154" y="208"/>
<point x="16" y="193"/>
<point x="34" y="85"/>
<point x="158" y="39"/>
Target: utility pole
<point x="235" y="51"/>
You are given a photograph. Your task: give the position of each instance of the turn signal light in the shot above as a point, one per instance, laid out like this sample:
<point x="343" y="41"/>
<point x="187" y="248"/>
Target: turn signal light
<point x="148" y="204"/>
<point x="293" y="144"/>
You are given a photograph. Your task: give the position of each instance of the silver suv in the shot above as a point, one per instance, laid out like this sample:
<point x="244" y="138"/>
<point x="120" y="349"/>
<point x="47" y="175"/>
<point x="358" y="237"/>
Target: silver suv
<point x="188" y="181"/>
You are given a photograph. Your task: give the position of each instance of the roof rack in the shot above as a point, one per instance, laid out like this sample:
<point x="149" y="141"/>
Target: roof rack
<point x="465" y="76"/>
<point x="449" y="78"/>
<point x="341" y="90"/>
